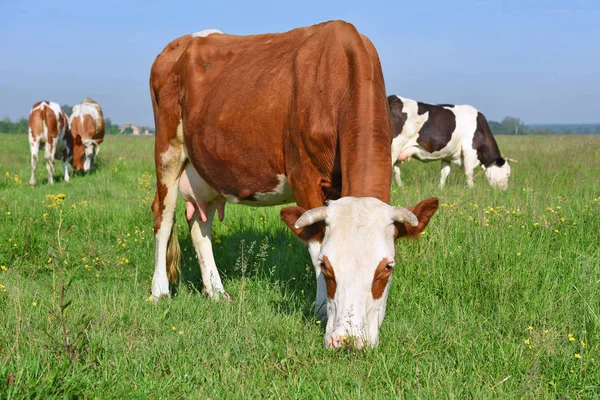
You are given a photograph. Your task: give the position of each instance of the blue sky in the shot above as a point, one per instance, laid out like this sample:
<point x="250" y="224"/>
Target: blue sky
<point x="537" y="60"/>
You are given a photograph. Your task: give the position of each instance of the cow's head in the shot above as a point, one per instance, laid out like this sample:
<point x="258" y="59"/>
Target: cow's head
<point x="351" y="241"/>
<point x="83" y="153"/>
<point x="497" y="174"/>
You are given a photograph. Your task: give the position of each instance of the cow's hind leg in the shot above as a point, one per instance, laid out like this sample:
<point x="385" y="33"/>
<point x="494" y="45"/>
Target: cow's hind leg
<point x="170" y="159"/>
<point x="201" y="233"/>
<point x="49" y="156"/>
<point x="444" y="172"/>
<point x="34" y="145"/>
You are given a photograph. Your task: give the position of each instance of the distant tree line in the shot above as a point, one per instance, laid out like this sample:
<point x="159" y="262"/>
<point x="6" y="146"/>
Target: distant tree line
<point x="515" y="126"/>
<point x="21" y="126"/>
<point x="508" y="126"/>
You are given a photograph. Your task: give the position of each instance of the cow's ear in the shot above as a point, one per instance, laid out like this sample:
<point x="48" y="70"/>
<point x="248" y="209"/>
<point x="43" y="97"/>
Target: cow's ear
<point x="309" y="233"/>
<point x="423" y="211"/>
<point x="78" y="140"/>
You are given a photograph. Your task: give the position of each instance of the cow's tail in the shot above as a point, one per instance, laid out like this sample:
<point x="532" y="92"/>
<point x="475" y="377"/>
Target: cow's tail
<point x="173" y="256"/>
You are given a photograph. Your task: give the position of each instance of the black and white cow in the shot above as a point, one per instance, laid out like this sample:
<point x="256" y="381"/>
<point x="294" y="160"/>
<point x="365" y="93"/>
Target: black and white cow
<point x="458" y="134"/>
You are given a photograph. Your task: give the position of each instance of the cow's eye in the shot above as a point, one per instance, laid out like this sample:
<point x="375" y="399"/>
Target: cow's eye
<point x="390" y="266"/>
<point x="322" y="265"/>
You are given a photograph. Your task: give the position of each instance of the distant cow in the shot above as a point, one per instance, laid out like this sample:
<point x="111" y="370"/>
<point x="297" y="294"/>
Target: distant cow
<point x="87" y="130"/>
<point x="458" y="134"/>
<point x="276" y="118"/>
<point x="48" y="126"/>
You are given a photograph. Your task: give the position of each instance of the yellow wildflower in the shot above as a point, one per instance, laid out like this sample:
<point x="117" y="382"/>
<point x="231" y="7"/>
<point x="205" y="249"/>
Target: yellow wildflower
<point x="3" y="268"/>
<point x="546" y="331"/>
<point x="174" y="328"/>
<point x="527" y="341"/>
<point x="180" y="332"/>
<point x="34" y="303"/>
<point x="577" y="355"/>
<point x="571" y="338"/>
<point x="529" y="328"/>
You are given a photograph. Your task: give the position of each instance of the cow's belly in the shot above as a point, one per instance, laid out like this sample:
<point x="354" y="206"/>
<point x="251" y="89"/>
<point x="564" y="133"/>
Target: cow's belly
<point x="193" y="188"/>
<point x="281" y="194"/>
<point x="449" y="153"/>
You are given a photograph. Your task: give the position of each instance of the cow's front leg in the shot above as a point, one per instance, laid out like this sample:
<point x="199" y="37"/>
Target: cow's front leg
<point x="66" y="169"/>
<point x="444" y="172"/>
<point x="201" y="232"/>
<point x="397" y="176"/>
<point x="469" y="168"/>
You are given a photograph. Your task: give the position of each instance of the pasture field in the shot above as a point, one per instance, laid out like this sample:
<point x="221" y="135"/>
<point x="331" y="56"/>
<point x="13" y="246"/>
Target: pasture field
<point x="500" y="298"/>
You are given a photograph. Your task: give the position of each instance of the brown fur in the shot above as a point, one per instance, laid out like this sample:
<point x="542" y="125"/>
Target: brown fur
<point x="423" y="211"/>
<point x="329" y="275"/>
<point x="380" y="279"/>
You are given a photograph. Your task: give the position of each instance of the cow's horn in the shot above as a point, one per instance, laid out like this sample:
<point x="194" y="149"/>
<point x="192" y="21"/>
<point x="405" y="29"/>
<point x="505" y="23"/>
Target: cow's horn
<point x="509" y="159"/>
<point x="311" y="216"/>
<point x="404" y="216"/>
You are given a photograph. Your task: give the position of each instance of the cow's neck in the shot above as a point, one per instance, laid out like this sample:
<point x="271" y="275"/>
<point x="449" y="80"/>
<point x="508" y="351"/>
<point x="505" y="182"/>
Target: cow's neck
<point x="488" y="152"/>
<point x="365" y="162"/>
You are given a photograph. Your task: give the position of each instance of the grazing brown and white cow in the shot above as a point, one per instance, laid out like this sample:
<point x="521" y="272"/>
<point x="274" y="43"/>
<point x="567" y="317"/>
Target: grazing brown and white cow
<point x="48" y="126"/>
<point x="276" y="118"/>
<point x="458" y="134"/>
<point x="87" y="131"/>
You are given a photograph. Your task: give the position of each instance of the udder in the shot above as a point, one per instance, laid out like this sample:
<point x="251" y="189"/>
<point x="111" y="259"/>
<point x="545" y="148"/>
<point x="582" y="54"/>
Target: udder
<point x="198" y="194"/>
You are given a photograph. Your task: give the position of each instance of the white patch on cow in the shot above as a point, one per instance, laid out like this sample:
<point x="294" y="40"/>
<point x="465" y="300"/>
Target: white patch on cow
<point x="498" y="176"/>
<point x="80" y="110"/>
<point x="206" y="32"/>
<point x="56" y="108"/>
<point x="281" y="194"/>
<point x="359" y="234"/>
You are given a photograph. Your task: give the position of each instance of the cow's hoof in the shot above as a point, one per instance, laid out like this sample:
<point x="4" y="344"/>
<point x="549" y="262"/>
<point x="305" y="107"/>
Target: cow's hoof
<point x="218" y="295"/>
<point x="160" y="288"/>
<point x="155" y="299"/>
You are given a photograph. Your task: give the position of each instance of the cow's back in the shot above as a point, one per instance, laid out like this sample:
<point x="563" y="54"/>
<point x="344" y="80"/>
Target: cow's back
<point x="87" y="121"/>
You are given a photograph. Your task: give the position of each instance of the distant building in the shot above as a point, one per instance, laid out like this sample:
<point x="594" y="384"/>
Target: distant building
<point x="135" y="130"/>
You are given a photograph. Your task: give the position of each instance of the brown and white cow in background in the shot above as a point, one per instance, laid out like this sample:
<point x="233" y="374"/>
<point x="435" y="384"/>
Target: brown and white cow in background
<point x="276" y="118"/>
<point x="453" y="134"/>
<point x="48" y="126"/>
<point x="87" y="131"/>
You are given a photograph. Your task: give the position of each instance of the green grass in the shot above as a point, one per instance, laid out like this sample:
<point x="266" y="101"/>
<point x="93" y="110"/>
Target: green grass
<point x="491" y="265"/>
